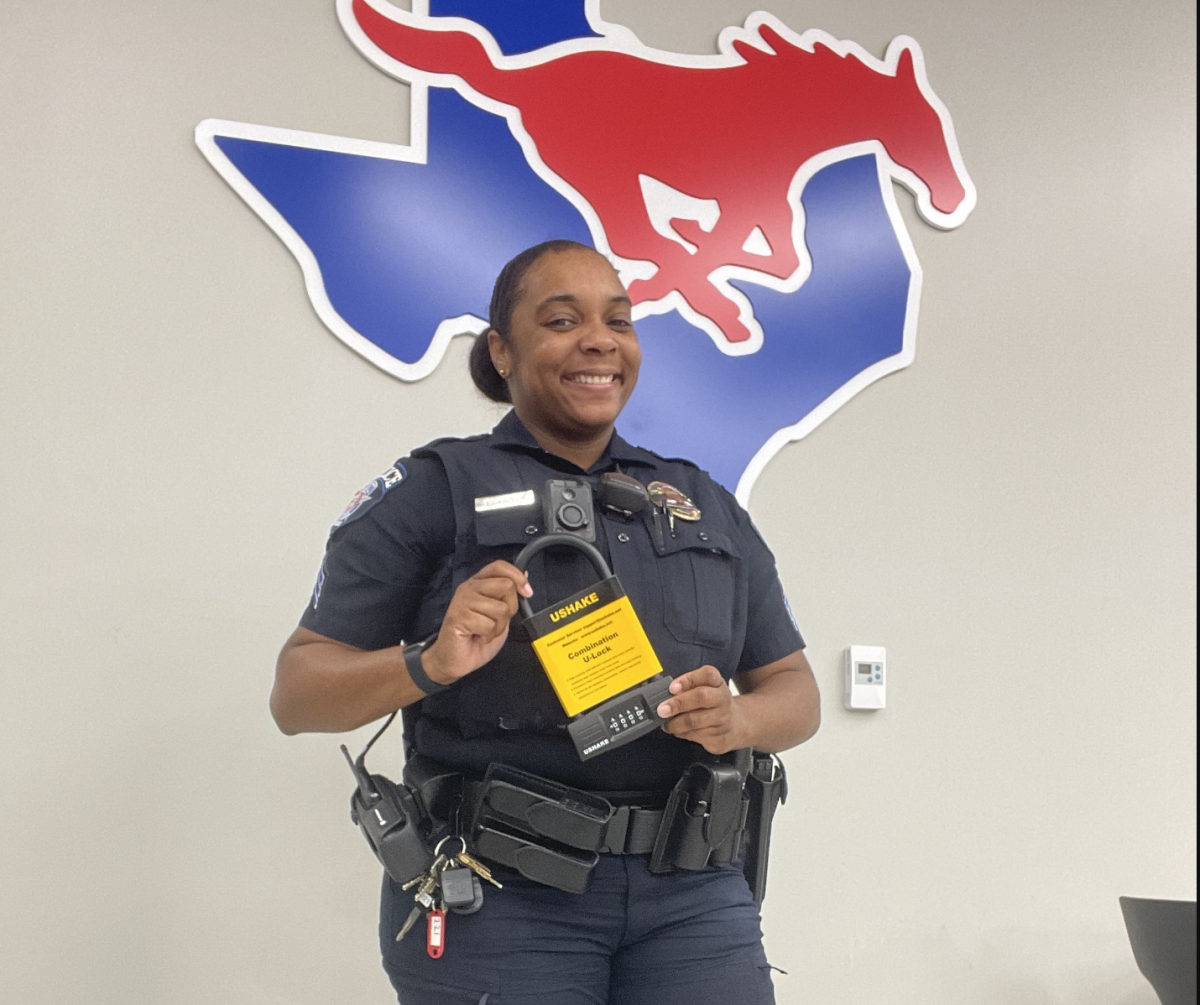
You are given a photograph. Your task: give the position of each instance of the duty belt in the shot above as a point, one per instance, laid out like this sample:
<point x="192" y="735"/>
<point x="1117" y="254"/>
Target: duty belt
<point x="614" y="830"/>
<point x="554" y="834"/>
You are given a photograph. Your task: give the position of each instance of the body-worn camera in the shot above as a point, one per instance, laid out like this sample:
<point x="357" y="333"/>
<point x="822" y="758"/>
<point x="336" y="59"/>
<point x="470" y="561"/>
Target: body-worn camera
<point x="568" y="504"/>
<point x="568" y="509"/>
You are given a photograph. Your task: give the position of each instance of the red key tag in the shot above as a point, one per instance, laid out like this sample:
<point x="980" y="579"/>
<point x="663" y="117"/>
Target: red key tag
<point x="435" y="940"/>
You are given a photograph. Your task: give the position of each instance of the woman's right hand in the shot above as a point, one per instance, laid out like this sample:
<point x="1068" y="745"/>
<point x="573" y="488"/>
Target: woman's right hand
<point x="476" y="622"/>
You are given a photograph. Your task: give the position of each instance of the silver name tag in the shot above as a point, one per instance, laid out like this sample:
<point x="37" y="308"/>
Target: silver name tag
<point x="510" y="500"/>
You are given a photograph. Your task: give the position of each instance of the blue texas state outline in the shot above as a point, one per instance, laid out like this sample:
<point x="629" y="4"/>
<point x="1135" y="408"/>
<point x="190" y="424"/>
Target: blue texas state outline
<point x="401" y="246"/>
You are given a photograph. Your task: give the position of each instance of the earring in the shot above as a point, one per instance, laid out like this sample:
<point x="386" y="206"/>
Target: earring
<point x="502" y="373"/>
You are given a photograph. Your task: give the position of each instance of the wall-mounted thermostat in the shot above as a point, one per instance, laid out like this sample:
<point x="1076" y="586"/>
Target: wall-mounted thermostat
<point x="866" y="677"/>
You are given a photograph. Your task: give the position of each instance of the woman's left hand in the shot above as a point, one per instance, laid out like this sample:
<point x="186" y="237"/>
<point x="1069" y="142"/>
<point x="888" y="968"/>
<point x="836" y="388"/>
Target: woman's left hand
<point x="704" y="710"/>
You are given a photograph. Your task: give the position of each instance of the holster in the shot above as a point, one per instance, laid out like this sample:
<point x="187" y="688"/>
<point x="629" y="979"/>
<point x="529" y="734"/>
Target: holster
<point x="704" y="817"/>
<point x="766" y="788"/>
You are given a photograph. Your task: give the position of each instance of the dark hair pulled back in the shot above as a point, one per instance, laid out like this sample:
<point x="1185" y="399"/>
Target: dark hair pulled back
<point x="505" y="295"/>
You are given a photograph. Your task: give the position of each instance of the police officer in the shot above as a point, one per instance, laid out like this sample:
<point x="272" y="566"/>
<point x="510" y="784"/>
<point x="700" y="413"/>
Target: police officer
<point x="423" y="556"/>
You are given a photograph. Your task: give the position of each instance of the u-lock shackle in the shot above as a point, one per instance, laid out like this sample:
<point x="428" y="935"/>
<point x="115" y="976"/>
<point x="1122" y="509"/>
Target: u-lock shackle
<point x="557" y="541"/>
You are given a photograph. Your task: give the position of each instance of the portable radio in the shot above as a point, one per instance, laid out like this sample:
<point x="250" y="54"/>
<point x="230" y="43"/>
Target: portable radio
<point x="597" y="656"/>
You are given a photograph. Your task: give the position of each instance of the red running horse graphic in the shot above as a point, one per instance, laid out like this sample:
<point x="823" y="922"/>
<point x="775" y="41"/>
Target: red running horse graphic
<point x="690" y="167"/>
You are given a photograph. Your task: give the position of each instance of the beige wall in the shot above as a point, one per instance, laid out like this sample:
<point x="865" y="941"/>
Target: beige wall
<point x="179" y="431"/>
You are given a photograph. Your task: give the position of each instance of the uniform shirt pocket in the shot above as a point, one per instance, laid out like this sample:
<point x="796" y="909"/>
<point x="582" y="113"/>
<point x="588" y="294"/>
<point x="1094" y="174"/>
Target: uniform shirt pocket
<point x="517" y="526"/>
<point x="497" y="535"/>
<point x="698" y="570"/>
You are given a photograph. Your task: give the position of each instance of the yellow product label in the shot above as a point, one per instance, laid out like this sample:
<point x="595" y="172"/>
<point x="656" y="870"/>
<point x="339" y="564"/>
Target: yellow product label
<point x="602" y="651"/>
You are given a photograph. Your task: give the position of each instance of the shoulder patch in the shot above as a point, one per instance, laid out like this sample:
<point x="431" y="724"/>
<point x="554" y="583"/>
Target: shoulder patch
<point x="369" y="495"/>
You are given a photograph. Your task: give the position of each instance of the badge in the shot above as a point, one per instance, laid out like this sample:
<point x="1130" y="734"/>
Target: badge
<point x="673" y="503"/>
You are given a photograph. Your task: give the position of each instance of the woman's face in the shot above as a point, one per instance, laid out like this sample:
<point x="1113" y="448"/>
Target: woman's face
<point x="572" y="357"/>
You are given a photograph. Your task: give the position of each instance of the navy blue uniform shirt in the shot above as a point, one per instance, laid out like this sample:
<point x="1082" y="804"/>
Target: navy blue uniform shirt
<point x="706" y="592"/>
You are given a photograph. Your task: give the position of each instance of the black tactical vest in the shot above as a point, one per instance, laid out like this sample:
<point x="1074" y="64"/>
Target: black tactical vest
<point x="685" y="583"/>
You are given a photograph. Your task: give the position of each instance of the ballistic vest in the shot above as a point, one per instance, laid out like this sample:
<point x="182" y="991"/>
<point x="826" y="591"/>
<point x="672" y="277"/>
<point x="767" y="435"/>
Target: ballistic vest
<point x="684" y="581"/>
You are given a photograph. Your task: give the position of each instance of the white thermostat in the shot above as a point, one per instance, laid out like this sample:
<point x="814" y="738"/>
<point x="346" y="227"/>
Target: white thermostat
<point x="866" y="677"/>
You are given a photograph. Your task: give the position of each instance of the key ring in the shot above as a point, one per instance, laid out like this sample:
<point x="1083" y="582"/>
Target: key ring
<point x="449" y="837"/>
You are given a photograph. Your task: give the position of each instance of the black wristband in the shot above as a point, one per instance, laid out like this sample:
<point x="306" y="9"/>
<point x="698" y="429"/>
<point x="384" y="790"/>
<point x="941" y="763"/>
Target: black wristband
<point x="416" y="671"/>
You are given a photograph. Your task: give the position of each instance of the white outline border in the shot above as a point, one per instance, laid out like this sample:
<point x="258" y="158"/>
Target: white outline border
<point x="890" y="364"/>
<point x="206" y="134"/>
<point x="613" y="37"/>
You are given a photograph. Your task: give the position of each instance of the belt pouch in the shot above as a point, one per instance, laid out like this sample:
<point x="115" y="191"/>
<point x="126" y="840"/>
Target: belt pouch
<point x="702" y="820"/>
<point x="728" y="850"/>
<point x="548" y="832"/>
<point x="540" y="807"/>
<point x="561" y="867"/>
<point x="732" y="799"/>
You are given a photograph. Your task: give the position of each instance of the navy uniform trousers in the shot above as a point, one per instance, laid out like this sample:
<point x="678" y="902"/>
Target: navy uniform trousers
<point x="634" y="938"/>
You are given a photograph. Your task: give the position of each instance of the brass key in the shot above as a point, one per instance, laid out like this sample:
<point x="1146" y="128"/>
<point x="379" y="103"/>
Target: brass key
<point x="438" y="863"/>
<point x="424" y="895"/>
<point x="477" y="867"/>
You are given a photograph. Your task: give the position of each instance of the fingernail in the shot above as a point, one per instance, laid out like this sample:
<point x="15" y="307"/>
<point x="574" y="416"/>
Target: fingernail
<point x="676" y="687"/>
<point x="664" y="710"/>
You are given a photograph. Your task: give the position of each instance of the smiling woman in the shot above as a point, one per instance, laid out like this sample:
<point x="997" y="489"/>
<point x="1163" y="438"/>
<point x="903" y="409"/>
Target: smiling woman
<point x="571" y="357"/>
<point x="563" y="346"/>
<point x="427" y="560"/>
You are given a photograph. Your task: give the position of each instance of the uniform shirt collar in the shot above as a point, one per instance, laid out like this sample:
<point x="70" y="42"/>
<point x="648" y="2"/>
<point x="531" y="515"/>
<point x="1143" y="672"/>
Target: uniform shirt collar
<point x="510" y="432"/>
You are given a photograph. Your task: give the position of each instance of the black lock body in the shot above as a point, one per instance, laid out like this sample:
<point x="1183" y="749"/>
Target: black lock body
<point x="620" y="720"/>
